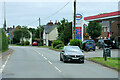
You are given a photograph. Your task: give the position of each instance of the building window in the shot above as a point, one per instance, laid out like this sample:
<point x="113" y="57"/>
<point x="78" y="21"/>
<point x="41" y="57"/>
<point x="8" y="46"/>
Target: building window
<point x="104" y="29"/>
<point x="108" y="29"/>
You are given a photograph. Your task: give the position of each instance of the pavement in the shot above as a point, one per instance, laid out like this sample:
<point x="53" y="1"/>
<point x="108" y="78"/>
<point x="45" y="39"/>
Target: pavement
<point x="34" y="62"/>
<point x="99" y="53"/>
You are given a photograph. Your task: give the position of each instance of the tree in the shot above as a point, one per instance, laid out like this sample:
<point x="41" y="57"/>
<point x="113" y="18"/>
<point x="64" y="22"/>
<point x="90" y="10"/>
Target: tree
<point x="3" y="41"/>
<point x="64" y="31"/>
<point x="94" y="29"/>
<point x="37" y="32"/>
<point x="21" y="33"/>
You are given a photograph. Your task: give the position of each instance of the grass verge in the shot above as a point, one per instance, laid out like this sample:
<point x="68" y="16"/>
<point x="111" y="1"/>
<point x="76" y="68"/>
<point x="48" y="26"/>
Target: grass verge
<point x="111" y="62"/>
<point x="54" y="49"/>
<point x="5" y="50"/>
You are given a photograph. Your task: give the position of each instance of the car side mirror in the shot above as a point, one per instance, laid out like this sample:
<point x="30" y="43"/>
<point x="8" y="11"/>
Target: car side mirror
<point x="63" y="51"/>
<point x="82" y="51"/>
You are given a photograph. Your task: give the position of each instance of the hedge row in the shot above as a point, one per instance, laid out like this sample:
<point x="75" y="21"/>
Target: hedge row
<point x="76" y="42"/>
<point x="58" y="44"/>
<point x="3" y="41"/>
<point x="23" y="43"/>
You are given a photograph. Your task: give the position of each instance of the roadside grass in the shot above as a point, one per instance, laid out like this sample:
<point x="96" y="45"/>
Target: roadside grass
<point x="4" y="50"/>
<point x="51" y="47"/>
<point x="44" y="46"/>
<point x="111" y="62"/>
<point x="17" y="45"/>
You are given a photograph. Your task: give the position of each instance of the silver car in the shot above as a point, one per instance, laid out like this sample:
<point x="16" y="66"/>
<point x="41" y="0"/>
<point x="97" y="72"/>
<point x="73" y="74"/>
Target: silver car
<point x="71" y="53"/>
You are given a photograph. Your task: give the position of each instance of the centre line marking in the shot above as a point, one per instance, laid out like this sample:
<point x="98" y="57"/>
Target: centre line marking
<point x="50" y="62"/>
<point x="45" y="58"/>
<point x="58" y="69"/>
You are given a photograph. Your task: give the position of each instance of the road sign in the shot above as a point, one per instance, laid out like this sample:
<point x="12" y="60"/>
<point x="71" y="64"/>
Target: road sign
<point x="79" y="16"/>
<point x="79" y="27"/>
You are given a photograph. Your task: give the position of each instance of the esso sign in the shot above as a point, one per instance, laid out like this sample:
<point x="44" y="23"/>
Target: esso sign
<point x="79" y="16"/>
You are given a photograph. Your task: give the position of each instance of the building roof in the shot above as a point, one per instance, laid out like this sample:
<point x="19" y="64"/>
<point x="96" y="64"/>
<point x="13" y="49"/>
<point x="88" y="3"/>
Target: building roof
<point x="103" y="16"/>
<point x="49" y="28"/>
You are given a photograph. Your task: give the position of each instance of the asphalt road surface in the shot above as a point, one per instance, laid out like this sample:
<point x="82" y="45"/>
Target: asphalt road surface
<point x="34" y="62"/>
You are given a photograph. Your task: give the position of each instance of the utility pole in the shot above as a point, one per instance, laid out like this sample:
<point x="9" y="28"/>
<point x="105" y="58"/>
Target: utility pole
<point x="39" y="30"/>
<point x="4" y="25"/>
<point x="74" y="17"/>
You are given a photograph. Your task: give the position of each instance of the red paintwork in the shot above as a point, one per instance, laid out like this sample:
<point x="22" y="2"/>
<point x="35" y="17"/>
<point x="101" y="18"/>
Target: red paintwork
<point x="102" y="15"/>
<point x="35" y="44"/>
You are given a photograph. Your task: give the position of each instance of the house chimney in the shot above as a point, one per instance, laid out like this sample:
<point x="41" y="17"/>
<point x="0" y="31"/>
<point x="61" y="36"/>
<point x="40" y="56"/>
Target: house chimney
<point x="55" y="22"/>
<point x="13" y="26"/>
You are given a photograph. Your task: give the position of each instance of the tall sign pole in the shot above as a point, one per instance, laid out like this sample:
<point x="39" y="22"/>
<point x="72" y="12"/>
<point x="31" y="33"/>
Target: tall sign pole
<point x="74" y="17"/>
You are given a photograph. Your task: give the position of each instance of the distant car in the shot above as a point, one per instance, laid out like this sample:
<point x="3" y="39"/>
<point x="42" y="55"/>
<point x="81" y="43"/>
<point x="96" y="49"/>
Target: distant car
<point x="88" y="45"/>
<point x="34" y="43"/>
<point x="71" y="53"/>
<point x="100" y="43"/>
<point x="106" y="43"/>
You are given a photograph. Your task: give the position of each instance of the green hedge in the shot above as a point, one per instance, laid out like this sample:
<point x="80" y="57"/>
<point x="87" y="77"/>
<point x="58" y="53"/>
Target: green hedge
<point x="27" y="43"/>
<point x="57" y="42"/>
<point x="76" y="42"/>
<point x="3" y="41"/>
<point x="59" y="46"/>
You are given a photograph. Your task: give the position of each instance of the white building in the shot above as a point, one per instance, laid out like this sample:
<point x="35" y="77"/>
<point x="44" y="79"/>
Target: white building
<point x="50" y="34"/>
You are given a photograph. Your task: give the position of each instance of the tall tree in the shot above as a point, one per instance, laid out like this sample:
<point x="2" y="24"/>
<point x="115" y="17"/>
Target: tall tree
<point x="94" y="29"/>
<point x="21" y="33"/>
<point x="65" y="31"/>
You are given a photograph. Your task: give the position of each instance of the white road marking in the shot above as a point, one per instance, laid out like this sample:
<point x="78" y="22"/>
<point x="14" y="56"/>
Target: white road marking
<point x="58" y="69"/>
<point x="49" y="62"/>
<point x="45" y="58"/>
<point x="3" y="66"/>
<point x="37" y="52"/>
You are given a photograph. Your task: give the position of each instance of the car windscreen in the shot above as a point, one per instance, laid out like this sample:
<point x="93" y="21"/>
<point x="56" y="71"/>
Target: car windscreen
<point x="90" y="42"/>
<point x="107" y="41"/>
<point x="73" y="49"/>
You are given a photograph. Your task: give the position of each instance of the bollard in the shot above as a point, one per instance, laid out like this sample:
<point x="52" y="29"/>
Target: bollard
<point x="105" y="56"/>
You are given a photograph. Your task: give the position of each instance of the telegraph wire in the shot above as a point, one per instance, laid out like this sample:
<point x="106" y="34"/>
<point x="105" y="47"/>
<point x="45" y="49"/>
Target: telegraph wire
<point x="57" y="11"/>
<point x="51" y="14"/>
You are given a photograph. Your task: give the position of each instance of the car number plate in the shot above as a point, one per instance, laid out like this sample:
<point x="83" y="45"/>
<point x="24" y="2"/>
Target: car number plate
<point x="90" y="47"/>
<point x="75" y="58"/>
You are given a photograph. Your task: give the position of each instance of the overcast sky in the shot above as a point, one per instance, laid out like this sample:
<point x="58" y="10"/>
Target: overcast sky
<point x="27" y="13"/>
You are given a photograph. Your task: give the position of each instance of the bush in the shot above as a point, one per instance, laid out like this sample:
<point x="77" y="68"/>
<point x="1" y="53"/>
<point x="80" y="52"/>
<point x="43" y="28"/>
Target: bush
<point x="76" y="42"/>
<point x="3" y="41"/>
<point x="27" y="43"/>
<point x="57" y="42"/>
<point x="59" y="46"/>
<point x="22" y="43"/>
<point x="18" y="43"/>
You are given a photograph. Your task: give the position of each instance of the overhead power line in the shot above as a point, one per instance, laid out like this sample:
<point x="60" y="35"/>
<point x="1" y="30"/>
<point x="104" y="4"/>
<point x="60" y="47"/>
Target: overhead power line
<point x="32" y="22"/>
<point x="57" y="11"/>
<point x="51" y="14"/>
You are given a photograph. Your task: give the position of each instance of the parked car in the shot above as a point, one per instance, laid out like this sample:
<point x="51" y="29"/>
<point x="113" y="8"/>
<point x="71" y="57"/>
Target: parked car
<point x="71" y="53"/>
<point x="35" y="43"/>
<point x="88" y="45"/>
<point x="106" y="43"/>
<point x="100" y="43"/>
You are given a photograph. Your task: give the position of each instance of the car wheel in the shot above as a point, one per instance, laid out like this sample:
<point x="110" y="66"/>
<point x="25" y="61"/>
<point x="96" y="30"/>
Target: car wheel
<point x="64" y="61"/>
<point x="93" y="49"/>
<point x="82" y="61"/>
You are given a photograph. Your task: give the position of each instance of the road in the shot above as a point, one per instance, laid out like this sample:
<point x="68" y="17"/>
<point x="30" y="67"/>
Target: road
<point x="34" y="62"/>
